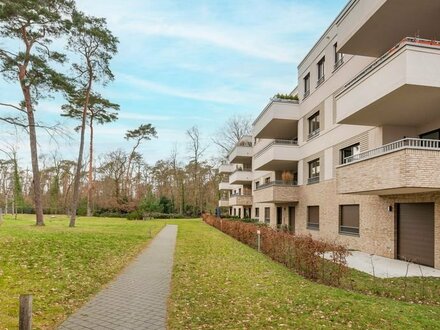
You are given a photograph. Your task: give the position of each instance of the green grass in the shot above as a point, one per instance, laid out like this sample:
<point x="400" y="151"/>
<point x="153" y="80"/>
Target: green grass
<point x="219" y="283"/>
<point x="418" y="290"/>
<point x="63" y="267"/>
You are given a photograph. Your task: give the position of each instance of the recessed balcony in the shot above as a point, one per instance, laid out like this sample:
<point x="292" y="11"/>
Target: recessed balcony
<point x="402" y="88"/>
<point x="371" y="27"/>
<point x="277" y="192"/>
<point x="240" y="200"/>
<point x="241" y="177"/>
<point x="402" y="167"/>
<point x="279" y="155"/>
<point x="278" y="120"/>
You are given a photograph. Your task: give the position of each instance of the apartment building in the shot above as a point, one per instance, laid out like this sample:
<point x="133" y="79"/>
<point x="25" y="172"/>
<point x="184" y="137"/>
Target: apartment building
<point x="356" y="158"/>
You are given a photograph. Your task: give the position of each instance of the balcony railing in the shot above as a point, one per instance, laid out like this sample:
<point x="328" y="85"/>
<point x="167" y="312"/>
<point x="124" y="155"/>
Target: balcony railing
<point x="408" y="143"/>
<point x="313" y="180"/>
<point x="338" y="63"/>
<point x="383" y="58"/>
<point x="313" y="134"/>
<point x="241" y="195"/>
<point x="277" y="183"/>
<point x="293" y="142"/>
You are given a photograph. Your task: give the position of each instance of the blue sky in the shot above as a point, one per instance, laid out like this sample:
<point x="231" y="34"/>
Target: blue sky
<point x="194" y="62"/>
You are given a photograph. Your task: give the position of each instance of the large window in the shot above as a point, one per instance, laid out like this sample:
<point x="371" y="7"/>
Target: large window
<point x="314" y="171"/>
<point x="434" y="135"/>
<point x="349" y="219"/>
<point x="321" y="71"/>
<point x="257" y="212"/>
<point x="314" y="125"/>
<point x="313" y="217"/>
<point x="350" y="151"/>
<point x="307" y="85"/>
<point x="267" y="214"/>
<point x="339" y="57"/>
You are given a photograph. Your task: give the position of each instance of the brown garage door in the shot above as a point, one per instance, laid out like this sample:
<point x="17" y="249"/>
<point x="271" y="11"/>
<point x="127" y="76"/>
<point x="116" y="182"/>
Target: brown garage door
<point x="415" y="233"/>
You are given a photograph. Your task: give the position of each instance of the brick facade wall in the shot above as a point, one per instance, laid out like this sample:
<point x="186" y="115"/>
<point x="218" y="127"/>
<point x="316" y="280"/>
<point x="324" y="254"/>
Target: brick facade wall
<point x="376" y="225"/>
<point x="415" y="169"/>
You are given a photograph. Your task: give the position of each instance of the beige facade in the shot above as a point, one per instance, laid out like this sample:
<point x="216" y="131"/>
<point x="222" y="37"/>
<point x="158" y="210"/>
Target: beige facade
<point x="363" y="135"/>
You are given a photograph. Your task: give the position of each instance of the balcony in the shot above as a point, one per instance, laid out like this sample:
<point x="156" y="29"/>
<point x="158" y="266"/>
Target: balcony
<point x="226" y="186"/>
<point x="279" y="155"/>
<point x="278" y="120"/>
<point x="240" y="200"/>
<point x="277" y="192"/>
<point x="402" y="88"/>
<point x="227" y="168"/>
<point x="402" y="167"/>
<point x="371" y="27"/>
<point x="223" y="203"/>
<point x="242" y="153"/>
<point x="241" y="177"/>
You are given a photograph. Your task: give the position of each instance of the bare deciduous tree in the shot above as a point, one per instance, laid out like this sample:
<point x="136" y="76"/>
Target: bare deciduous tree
<point x="231" y="132"/>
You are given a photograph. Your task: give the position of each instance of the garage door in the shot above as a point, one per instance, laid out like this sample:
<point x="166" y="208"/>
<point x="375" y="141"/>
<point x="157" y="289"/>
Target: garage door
<point x="415" y="233"/>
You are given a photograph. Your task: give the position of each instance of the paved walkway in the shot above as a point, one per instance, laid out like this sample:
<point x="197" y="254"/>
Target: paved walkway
<point x="137" y="299"/>
<point x="388" y="268"/>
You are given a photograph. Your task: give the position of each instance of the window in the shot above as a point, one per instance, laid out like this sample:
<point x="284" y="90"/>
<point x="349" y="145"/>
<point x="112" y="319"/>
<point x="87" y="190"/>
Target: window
<point x="257" y="212"/>
<point x="267" y="180"/>
<point x="257" y="184"/>
<point x="313" y="217"/>
<point x="349" y="219"/>
<point x="267" y="214"/>
<point x="235" y="212"/>
<point x="314" y="171"/>
<point x="350" y="151"/>
<point x="314" y="125"/>
<point x="321" y="71"/>
<point x="434" y="135"/>
<point x="239" y="213"/>
<point x="339" y="57"/>
<point x="307" y="85"/>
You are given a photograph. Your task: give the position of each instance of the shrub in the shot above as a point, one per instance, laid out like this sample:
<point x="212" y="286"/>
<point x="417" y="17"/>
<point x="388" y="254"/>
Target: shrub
<point x="298" y="252"/>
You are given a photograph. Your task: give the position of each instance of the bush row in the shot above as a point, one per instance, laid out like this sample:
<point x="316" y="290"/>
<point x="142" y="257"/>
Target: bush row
<point x="298" y="252"/>
<point x="138" y="215"/>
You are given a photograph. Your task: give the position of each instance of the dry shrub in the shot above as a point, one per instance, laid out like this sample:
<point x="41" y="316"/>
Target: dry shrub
<point x="297" y="252"/>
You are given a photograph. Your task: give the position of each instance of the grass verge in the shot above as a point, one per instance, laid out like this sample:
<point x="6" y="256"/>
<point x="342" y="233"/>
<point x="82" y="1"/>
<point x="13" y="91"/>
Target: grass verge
<point x="63" y="267"/>
<point x="219" y="283"/>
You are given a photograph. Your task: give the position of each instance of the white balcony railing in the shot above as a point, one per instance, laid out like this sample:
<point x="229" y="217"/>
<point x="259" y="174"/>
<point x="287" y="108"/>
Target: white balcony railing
<point x="408" y="143"/>
<point x="293" y="142"/>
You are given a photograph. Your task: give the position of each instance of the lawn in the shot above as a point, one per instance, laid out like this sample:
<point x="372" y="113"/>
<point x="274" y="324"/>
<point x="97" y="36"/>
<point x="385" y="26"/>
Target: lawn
<point x="219" y="283"/>
<point x="63" y="267"/>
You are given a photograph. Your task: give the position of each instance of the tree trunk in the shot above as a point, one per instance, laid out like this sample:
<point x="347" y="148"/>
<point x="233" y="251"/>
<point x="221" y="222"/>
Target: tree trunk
<point x="36" y="180"/>
<point x="76" y="184"/>
<point x="90" y="179"/>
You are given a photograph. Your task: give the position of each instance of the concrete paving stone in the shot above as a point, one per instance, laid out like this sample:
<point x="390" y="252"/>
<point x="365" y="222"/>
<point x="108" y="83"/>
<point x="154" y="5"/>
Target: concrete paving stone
<point x="137" y="299"/>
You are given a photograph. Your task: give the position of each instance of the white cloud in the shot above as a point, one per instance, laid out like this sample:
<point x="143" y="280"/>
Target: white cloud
<point x="224" y="95"/>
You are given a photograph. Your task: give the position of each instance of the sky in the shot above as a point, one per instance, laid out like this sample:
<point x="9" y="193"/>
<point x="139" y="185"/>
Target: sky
<point x="187" y="63"/>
